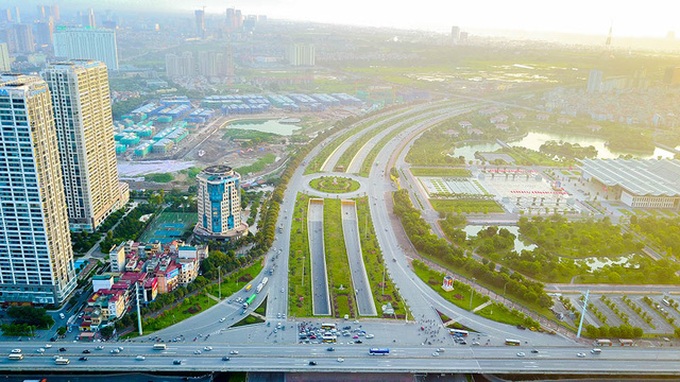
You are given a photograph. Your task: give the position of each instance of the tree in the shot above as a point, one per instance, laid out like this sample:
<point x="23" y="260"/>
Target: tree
<point x="107" y="331"/>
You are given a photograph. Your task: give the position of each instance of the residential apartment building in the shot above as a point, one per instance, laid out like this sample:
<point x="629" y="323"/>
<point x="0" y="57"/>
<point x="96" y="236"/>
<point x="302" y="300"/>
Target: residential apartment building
<point x="88" y="43"/>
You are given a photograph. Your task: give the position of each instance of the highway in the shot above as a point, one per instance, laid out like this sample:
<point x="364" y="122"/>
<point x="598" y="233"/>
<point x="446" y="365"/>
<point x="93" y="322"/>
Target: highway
<point x="321" y="304"/>
<point x="291" y="358"/>
<point x="362" y="288"/>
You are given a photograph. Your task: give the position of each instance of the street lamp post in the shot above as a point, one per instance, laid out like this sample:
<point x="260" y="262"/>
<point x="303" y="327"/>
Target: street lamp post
<point x="219" y="282"/>
<point x="505" y="286"/>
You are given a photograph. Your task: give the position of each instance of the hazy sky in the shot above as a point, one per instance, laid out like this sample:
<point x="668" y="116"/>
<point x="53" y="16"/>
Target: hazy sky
<point x="648" y="18"/>
<point x="629" y="18"/>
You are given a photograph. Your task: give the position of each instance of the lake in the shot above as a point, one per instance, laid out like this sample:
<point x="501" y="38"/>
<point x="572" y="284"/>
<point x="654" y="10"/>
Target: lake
<point x="473" y="230"/>
<point x="273" y="126"/>
<point x="533" y="140"/>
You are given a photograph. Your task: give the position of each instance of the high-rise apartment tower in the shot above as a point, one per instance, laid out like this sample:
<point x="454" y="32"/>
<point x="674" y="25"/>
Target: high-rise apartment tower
<point x="84" y="125"/>
<point x="36" y="259"/>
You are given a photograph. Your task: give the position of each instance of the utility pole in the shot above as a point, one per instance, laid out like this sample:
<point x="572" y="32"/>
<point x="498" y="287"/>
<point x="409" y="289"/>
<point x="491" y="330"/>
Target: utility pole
<point x="139" y="313"/>
<point x="219" y="282"/>
<point x="583" y="314"/>
<point x="383" y="282"/>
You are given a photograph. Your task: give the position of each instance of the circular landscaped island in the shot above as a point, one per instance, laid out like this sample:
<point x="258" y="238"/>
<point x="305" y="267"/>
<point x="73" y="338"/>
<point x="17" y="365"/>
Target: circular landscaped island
<point x="334" y="184"/>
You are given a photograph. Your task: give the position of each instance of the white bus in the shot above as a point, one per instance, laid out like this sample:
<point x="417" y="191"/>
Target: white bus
<point x="160" y="347"/>
<point x="62" y="361"/>
<point x="602" y="342"/>
<point x="458" y="332"/>
<point x="16" y="357"/>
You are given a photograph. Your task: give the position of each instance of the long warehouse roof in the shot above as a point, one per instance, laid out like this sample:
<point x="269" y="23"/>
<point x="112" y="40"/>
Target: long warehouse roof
<point x="640" y="177"/>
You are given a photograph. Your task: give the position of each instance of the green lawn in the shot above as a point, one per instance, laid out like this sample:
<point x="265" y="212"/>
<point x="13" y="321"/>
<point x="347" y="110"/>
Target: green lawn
<point x="189" y="307"/>
<point x="299" y="286"/>
<point x="337" y="263"/>
<point x="465" y="206"/>
<point x="374" y="263"/>
<point x="334" y="184"/>
<point x="234" y="282"/>
<point x="441" y="171"/>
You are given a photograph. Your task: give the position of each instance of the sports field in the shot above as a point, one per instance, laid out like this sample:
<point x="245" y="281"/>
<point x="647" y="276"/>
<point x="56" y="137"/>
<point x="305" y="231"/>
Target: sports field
<point x="168" y="226"/>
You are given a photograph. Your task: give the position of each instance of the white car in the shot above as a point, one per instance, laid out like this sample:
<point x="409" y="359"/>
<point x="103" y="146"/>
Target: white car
<point x="16" y="351"/>
<point x="100" y="347"/>
<point x="521" y="354"/>
<point x="115" y="351"/>
<point x="341" y="360"/>
<point x="369" y="336"/>
<point x="435" y="354"/>
<point x="197" y="351"/>
<point x="47" y="346"/>
<point x="223" y="319"/>
<point x="41" y="350"/>
<point x="140" y="358"/>
<point x="207" y="348"/>
<point x="234" y="352"/>
<point x="580" y="355"/>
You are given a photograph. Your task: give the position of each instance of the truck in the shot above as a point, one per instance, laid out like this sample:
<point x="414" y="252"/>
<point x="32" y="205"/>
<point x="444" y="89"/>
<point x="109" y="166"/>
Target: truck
<point x="249" y="301"/>
<point x="259" y="288"/>
<point x="15" y="357"/>
<point x="265" y="280"/>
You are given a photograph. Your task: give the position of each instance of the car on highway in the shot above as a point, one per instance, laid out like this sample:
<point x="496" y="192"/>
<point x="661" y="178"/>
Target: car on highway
<point x="197" y="352"/>
<point x="441" y="350"/>
<point x="83" y="358"/>
<point x="207" y="348"/>
<point x="223" y="319"/>
<point x="62" y="349"/>
<point x="47" y="346"/>
<point x="521" y="354"/>
<point x="100" y="347"/>
<point x="312" y="363"/>
<point x="580" y="354"/>
<point x="330" y="348"/>
<point x="86" y="351"/>
<point x="369" y="336"/>
<point x="40" y="350"/>
<point x="435" y="354"/>
<point x="140" y="358"/>
<point x="234" y="352"/>
<point x="115" y="351"/>
<point x="341" y="360"/>
<point x="178" y="362"/>
<point x="358" y="341"/>
<point x="16" y="351"/>
<point x="535" y="351"/>
<point x="226" y="358"/>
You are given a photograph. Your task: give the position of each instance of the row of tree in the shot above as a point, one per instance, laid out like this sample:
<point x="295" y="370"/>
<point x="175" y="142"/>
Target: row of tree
<point x="430" y="245"/>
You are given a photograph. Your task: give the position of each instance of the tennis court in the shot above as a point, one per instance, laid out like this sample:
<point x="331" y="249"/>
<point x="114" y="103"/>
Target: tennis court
<point x="168" y="226"/>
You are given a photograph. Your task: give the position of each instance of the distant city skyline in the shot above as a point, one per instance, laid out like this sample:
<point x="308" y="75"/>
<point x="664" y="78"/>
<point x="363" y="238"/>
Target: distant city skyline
<point x="655" y="19"/>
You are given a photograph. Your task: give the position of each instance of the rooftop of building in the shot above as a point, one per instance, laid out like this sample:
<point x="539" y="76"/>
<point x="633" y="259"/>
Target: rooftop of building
<point x="641" y="177"/>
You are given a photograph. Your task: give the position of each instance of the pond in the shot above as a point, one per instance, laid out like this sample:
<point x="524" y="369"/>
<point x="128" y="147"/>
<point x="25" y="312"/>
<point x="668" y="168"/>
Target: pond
<point x="596" y="263"/>
<point x="273" y="126"/>
<point x="473" y="230"/>
<point x="533" y="140"/>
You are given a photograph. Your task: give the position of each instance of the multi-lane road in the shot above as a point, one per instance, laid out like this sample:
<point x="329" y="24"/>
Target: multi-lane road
<point x="287" y="358"/>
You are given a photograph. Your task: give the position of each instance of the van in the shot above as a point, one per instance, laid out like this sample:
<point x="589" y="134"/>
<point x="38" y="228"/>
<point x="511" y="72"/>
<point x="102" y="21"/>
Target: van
<point x="596" y="351"/>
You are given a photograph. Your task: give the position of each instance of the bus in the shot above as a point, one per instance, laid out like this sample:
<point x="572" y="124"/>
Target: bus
<point x="62" y="361"/>
<point x="160" y="347"/>
<point x="327" y="326"/>
<point x="603" y="342"/>
<point x="458" y="332"/>
<point x="249" y="287"/>
<point x="510" y="342"/>
<point x="16" y="357"/>
<point x="378" y="351"/>
<point x="329" y="338"/>
<point x="249" y="301"/>
<point x="624" y="342"/>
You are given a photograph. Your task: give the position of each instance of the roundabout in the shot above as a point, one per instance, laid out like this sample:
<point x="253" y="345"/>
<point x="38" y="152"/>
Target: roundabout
<point x="334" y="185"/>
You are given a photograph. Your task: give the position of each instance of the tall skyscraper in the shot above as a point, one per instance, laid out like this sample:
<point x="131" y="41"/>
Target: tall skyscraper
<point x="84" y="125"/>
<point x="4" y="58"/>
<point x="44" y="30"/>
<point x="82" y="43"/>
<point x="302" y="55"/>
<point x="455" y="35"/>
<point x="180" y="66"/>
<point x="219" y="203"/>
<point x="200" y="23"/>
<point x="36" y="259"/>
<point x="23" y="34"/>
